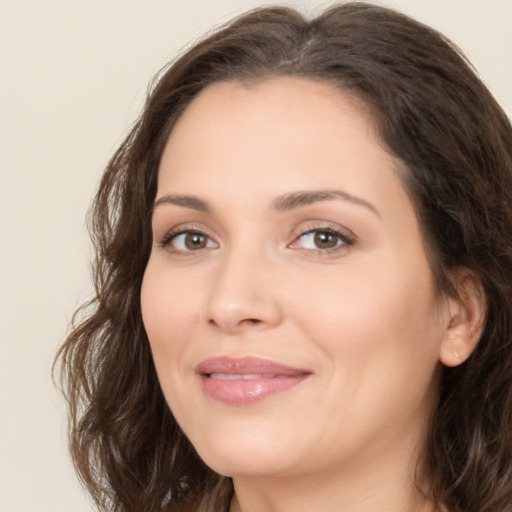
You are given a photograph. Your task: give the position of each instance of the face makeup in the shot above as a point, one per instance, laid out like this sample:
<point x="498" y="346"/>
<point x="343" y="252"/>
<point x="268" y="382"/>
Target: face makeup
<point x="246" y="380"/>
<point x="289" y="304"/>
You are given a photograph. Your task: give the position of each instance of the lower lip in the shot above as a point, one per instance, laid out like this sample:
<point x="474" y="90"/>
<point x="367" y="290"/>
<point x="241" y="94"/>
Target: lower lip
<point x="247" y="391"/>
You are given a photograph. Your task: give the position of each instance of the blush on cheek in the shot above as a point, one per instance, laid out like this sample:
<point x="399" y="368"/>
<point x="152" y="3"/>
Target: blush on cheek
<point x="163" y="302"/>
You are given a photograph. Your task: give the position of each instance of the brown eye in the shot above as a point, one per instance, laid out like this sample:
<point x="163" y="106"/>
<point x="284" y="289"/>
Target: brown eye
<point x="325" y="239"/>
<point x="195" y="241"/>
<point x="187" y="241"/>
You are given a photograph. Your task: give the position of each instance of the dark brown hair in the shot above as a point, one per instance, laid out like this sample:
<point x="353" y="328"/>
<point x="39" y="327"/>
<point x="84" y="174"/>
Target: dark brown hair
<point x="455" y="143"/>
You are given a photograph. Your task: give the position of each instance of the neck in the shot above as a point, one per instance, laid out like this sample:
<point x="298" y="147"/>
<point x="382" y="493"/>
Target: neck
<point x="306" y="496"/>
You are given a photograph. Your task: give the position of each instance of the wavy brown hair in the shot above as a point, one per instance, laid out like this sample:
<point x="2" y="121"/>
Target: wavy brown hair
<point x="455" y="144"/>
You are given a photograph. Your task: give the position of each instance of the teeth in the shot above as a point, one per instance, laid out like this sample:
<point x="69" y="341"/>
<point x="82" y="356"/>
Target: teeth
<point x="236" y="376"/>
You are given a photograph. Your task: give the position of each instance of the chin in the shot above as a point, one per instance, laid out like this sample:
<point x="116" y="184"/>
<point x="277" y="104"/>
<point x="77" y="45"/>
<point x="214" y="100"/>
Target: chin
<point x="243" y="455"/>
<point x="240" y="466"/>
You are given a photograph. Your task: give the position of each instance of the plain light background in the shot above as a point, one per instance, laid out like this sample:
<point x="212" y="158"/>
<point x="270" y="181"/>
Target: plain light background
<point x="73" y="75"/>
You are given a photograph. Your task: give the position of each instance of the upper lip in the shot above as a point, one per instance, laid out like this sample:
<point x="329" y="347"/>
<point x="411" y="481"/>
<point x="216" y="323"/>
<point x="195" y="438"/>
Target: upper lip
<point x="246" y="366"/>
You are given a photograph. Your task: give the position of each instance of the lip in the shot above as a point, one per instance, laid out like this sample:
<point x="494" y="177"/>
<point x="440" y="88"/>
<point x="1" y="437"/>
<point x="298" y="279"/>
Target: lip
<point x="242" y="381"/>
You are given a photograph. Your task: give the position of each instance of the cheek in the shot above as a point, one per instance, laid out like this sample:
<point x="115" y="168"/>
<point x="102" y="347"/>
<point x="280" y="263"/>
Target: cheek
<point x="377" y="318"/>
<point x="170" y="313"/>
<point x="170" y="310"/>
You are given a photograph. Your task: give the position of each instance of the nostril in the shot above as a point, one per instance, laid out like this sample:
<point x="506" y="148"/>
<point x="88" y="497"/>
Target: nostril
<point x="244" y="322"/>
<point x="251" y="321"/>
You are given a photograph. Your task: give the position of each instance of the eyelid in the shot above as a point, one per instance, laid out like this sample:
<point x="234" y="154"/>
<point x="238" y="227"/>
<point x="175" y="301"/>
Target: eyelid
<point x="184" y="229"/>
<point x="347" y="237"/>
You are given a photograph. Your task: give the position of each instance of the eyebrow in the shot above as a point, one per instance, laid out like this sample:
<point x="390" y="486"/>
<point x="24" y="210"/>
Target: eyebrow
<point x="304" y="198"/>
<point x="191" y="202"/>
<point x="286" y="202"/>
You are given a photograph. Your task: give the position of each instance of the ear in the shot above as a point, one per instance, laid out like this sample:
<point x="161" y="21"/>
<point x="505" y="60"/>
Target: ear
<point x="466" y="318"/>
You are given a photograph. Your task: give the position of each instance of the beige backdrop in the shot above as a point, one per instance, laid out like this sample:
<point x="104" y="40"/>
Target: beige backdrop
<point x="73" y="76"/>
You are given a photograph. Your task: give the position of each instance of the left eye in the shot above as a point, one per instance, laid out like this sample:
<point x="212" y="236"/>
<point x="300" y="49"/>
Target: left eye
<point x="191" y="241"/>
<point x="321" y="239"/>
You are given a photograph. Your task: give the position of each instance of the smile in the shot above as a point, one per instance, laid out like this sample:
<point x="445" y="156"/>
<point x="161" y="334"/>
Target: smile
<point x="246" y="380"/>
<point x="236" y="376"/>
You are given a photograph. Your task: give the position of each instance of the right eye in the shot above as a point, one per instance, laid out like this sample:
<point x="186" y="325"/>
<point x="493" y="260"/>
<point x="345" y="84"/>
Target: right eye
<point x="186" y="241"/>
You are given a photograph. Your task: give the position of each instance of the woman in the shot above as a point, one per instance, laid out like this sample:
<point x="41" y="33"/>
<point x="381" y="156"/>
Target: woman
<point x="303" y="279"/>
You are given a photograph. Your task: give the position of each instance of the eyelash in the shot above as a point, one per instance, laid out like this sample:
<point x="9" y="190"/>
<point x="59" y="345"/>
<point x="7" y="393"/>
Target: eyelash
<point x="345" y="239"/>
<point x="174" y="234"/>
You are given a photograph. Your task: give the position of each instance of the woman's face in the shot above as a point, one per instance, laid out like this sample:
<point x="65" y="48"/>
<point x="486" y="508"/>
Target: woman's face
<point x="288" y="300"/>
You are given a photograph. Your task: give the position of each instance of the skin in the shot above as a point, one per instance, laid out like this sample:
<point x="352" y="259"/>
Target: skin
<point x="363" y="316"/>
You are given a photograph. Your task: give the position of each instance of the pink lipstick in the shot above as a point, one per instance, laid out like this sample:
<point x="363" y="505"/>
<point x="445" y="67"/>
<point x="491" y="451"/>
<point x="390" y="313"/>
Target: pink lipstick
<point x="245" y="380"/>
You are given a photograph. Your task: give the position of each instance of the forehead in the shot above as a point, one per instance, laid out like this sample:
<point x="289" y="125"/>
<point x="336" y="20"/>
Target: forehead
<point x="286" y="131"/>
<point x="266" y="100"/>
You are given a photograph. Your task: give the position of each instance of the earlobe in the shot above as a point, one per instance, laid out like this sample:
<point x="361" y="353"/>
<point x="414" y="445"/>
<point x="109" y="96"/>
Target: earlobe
<point x="466" y="319"/>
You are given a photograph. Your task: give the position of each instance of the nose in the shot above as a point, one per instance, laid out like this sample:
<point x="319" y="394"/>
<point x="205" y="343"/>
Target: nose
<point x="243" y="294"/>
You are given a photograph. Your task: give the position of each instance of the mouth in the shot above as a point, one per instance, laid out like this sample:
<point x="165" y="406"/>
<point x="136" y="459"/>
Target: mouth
<point x="246" y="380"/>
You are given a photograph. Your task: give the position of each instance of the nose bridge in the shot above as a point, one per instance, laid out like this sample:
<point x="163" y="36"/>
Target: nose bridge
<point x="241" y="295"/>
